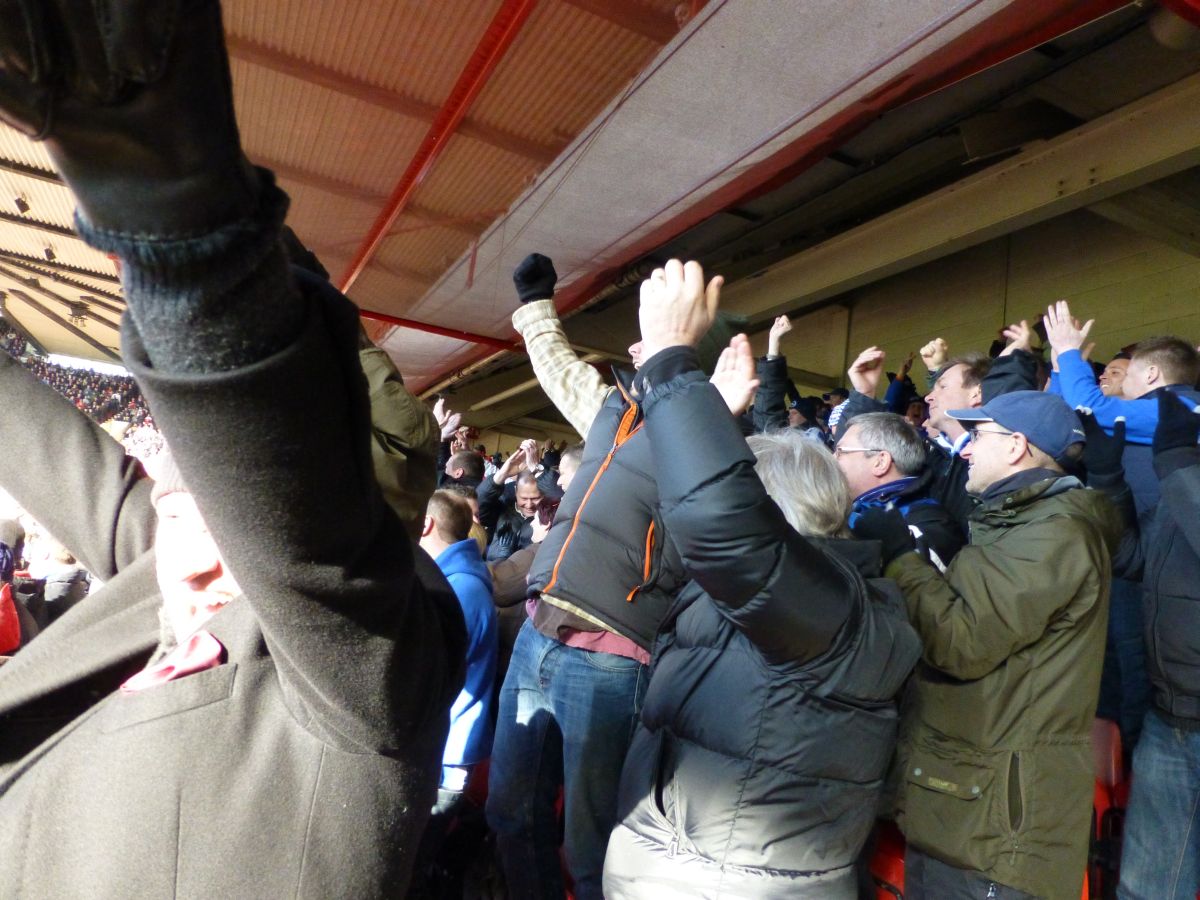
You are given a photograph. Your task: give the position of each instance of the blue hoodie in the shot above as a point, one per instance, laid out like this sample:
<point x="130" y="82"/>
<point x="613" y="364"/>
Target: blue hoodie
<point x="470" y="738"/>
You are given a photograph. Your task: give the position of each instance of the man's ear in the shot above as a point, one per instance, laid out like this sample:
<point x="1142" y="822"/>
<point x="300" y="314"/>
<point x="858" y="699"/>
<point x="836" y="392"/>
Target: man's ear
<point x="975" y="398"/>
<point x="1153" y="375"/>
<point x="881" y="462"/>
<point x="427" y="526"/>
<point x="1020" y="447"/>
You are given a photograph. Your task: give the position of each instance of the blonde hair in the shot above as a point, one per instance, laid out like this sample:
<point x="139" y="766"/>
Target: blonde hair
<point x="802" y="477"/>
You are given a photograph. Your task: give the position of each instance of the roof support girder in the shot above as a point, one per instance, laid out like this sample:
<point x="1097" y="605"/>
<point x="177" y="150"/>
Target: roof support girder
<point x="1137" y="144"/>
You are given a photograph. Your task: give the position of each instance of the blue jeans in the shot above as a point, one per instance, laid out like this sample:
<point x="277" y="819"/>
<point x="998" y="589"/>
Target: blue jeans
<point x="1161" y="856"/>
<point x="566" y="716"/>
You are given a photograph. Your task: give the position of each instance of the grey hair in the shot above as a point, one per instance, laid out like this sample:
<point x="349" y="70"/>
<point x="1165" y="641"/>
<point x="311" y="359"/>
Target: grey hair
<point x="895" y="434"/>
<point x="802" y="477"/>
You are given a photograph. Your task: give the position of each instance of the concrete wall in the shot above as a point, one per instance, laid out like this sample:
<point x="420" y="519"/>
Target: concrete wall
<point x="1131" y="285"/>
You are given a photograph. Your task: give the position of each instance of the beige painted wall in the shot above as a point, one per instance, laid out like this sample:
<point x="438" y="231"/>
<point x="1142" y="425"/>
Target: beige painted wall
<point x="1131" y="285"/>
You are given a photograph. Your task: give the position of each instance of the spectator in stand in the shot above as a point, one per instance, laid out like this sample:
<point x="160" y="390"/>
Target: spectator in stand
<point x="884" y="460"/>
<point x="769" y="411"/>
<point x="478" y="532"/>
<point x="446" y="537"/>
<point x="965" y="381"/>
<point x="1112" y="379"/>
<point x="996" y="763"/>
<point x="1160" y="856"/>
<point x="917" y="413"/>
<point x="739" y="782"/>
<point x="509" y="521"/>
<point x="1157" y="365"/>
<point x="285" y="740"/>
<point x="579" y="667"/>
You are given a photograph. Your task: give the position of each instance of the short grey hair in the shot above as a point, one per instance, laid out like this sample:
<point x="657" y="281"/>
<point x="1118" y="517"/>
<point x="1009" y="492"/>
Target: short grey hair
<point x="895" y="434"/>
<point x="803" y="478"/>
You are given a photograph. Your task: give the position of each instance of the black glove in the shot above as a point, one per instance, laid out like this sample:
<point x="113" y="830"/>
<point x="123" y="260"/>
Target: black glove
<point x="886" y="526"/>
<point x="1102" y="453"/>
<point x="1178" y="425"/>
<point x="535" y="278"/>
<point x="134" y="102"/>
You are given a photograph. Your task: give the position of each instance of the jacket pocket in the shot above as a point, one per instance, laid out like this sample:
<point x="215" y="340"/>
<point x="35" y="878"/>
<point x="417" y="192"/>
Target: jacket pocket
<point x="950" y="807"/>
<point x="169" y="699"/>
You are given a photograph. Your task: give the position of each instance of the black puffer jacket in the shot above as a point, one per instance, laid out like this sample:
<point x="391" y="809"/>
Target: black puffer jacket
<point x="607" y="554"/>
<point x="1167" y="559"/>
<point x="770" y="718"/>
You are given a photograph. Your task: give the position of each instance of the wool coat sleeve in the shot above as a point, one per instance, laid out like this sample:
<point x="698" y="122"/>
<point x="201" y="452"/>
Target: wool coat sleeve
<point x="997" y="598"/>
<point x="98" y="506"/>
<point x="254" y="376"/>
<point x="787" y="596"/>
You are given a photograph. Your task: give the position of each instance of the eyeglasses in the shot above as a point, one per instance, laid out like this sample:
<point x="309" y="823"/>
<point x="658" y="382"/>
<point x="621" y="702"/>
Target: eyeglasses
<point x="974" y="433"/>
<point x="839" y="450"/>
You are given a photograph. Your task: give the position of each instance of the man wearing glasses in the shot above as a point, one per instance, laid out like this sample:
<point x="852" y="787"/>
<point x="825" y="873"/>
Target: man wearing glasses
<point x="996" y="784"/>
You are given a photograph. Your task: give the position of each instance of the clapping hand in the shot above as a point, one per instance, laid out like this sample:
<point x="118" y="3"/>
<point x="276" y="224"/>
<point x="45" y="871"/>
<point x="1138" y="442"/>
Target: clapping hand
<point x="676" y="307"/>
<point x="734" y="375"/>
<point x="448" y="420"/>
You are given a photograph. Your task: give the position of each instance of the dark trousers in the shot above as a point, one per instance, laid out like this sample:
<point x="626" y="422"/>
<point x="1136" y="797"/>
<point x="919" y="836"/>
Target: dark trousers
<point x="926" y="878"/>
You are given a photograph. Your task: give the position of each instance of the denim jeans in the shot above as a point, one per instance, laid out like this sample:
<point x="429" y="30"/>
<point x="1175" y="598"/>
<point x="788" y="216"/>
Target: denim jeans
<point x="1124" y="681"/>
<point x="566" y="716"/>
<point x="1161" y="856"/>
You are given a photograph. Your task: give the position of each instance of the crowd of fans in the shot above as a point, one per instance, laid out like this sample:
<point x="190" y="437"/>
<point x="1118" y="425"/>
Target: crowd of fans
<point x="709" y="652"/>
<point x="114" y="400"/>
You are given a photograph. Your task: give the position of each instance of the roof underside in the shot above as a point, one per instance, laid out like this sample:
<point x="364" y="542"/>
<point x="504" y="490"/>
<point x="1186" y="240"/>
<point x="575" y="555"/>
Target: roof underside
<point x="427" y="147"/>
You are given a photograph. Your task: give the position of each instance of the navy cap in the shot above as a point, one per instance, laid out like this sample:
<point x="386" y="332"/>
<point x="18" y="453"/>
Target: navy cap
<point x="1045" y="419"/>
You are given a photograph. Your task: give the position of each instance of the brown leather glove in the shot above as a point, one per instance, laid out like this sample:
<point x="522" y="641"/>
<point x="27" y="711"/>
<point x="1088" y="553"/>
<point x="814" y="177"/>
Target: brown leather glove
<point x="134" y="102"/>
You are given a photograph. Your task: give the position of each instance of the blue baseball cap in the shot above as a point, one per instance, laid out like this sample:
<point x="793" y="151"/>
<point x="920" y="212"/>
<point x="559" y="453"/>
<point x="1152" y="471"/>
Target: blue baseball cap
<point x="1045" y="420"/>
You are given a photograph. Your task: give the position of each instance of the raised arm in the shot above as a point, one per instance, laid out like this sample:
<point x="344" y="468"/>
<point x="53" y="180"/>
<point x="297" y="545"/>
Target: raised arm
<point x="254" y="378"/>
<point x="71" y="476"/>
<point x="733" y="539"/>
<point x="573" y="386"/>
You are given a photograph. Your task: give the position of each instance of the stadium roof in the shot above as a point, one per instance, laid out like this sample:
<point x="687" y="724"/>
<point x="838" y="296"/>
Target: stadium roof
<point x="428" y="146"/>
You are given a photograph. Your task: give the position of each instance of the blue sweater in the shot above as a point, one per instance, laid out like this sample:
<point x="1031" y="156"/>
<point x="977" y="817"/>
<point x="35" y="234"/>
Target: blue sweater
<point x="470" y="739"/>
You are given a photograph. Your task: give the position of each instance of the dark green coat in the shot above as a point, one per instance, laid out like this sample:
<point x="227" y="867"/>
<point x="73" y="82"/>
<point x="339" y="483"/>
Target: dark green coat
<point x="995" y="748"/>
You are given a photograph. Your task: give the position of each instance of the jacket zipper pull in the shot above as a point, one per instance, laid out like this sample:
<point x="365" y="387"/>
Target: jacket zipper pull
<point x="991" y="894"/>
<point x="672" y="848"/>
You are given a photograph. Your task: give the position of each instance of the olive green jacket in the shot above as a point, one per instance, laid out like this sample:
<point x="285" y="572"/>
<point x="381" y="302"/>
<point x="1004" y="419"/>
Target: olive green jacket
<point x="404" y="440"/>
<point x="995" y="747"/>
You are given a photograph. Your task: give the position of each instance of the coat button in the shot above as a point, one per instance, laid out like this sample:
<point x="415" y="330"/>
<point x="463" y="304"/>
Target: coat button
<point x="916" y="771"/>
<point x="975" y="789"/>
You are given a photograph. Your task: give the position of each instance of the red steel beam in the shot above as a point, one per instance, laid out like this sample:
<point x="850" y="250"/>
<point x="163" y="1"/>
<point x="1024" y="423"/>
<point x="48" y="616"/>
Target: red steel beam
<point x="1021" y="26"/>
<point x="471" y="337"/>
<point x="496" y="40"/>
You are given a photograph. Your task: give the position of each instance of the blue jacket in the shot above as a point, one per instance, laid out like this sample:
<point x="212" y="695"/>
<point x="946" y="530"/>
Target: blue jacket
<point x="1076" y="382"/>
<point x="470" y="739"/>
